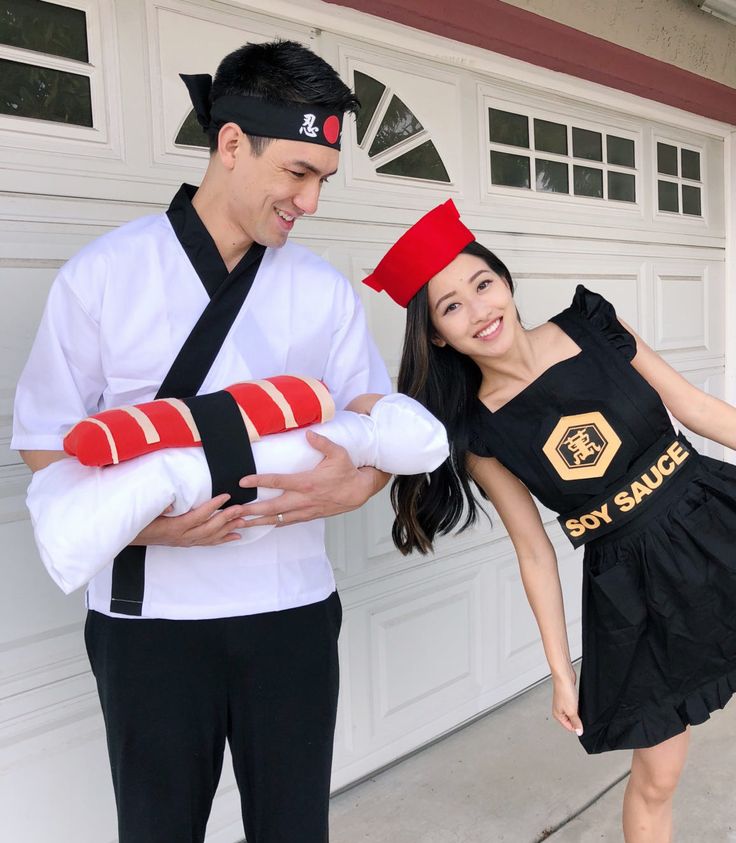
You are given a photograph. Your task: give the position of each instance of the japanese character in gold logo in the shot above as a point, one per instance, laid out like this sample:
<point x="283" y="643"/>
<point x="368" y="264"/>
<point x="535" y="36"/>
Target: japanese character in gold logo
<point x="581" y="447"/>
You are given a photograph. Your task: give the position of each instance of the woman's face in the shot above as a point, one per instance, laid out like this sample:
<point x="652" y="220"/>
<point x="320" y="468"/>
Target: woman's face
<point x="472" y="309"/>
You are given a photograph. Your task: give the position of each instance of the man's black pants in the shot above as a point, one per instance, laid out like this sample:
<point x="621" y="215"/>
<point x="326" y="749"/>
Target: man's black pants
<point x="173" y="692"/>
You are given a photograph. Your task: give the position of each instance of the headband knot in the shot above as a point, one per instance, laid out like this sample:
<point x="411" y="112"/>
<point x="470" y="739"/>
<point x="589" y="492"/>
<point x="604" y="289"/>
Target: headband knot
<point x="199" y="86"/>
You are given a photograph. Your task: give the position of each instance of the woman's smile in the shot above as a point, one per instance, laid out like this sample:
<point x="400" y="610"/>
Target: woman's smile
<point x="491" y="330"/>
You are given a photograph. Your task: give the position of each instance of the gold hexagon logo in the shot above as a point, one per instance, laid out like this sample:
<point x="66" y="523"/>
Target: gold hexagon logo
<point x="581" y="447"/>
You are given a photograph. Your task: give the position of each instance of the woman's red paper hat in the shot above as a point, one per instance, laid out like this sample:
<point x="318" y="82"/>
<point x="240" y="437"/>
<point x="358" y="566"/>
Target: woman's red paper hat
<point x="420" y="253"/>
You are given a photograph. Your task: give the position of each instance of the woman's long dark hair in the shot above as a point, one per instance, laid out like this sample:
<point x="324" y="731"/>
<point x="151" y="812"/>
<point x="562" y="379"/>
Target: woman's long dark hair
<point x="446" y="383"/>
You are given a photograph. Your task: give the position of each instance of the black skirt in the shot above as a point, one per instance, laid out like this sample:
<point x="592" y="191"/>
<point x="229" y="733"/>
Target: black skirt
<point x="659" y="615"/>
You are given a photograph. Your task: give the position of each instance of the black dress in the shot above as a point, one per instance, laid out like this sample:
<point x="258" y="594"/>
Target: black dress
<point x="592" y="440"/>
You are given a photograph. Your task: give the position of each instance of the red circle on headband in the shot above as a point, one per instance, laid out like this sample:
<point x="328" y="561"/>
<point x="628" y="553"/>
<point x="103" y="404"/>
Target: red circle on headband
<point x="331" y="129"/>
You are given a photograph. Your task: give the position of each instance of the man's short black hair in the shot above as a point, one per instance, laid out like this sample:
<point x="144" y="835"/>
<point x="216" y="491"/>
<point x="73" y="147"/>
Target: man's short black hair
<point x="281" y="72"/>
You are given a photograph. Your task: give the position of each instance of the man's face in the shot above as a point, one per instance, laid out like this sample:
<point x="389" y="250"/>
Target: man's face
<point x="268" y="193"/>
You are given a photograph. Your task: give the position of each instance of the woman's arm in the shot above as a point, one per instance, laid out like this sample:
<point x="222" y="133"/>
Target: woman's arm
<point x="364" y="403"/>
<point x="539" y="574"/>
<point x="702" y="413"/>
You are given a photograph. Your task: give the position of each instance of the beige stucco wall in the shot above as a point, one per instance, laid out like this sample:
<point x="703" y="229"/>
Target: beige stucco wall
<point x="675" y="31"/>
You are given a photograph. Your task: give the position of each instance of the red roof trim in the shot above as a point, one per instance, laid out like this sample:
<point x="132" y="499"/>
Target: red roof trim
<point x="501" y="28"/>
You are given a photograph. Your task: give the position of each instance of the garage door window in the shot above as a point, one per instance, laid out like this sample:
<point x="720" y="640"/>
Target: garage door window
<point x="191" y="132"/>
<point x="557" y="157"/>
<point x="398" y="143"/>
<point x="44" y="62"/>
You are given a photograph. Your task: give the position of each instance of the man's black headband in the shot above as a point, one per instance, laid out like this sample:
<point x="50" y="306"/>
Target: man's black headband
<point x="256" y="116"/>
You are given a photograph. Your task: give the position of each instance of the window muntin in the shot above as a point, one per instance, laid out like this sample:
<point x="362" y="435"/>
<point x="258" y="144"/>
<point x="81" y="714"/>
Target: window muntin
<point x="679" y="179"/>
<point x="397" y="141"/>
<point x="564" y="156"/>
<point x="397" y="125"/>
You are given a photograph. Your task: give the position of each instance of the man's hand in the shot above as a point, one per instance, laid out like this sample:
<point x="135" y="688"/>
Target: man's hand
<point x="334" y="486"/>
<point x="203" y="525"/>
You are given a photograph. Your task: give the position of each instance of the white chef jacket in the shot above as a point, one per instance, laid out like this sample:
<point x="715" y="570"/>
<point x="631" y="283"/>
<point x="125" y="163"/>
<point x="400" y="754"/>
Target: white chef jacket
<point x="116" y="317"/>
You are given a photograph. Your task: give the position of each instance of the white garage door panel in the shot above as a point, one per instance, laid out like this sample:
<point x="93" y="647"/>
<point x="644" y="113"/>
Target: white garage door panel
<point x="44" y="673"/>
<point x="38" y="607"/>
<point x="33" y="662"/>
<point x="46" y="794"/>
<point x="183" y="38"/>
<point x="23" y="291"/>
<point x="414" y="651"/>
<point x="425" y="648"/>
<point x="385" y="319"/>
<point x="681" y="312"/>
<point x="540" y="297"/>
<point x="687" y="299"/>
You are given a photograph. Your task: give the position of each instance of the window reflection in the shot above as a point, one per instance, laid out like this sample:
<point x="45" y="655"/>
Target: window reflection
<point x="422" y="162"/>
<point x="45" y="28"/>
<point x="44" y="94"/>
<point x="510" y="170"/>
<point x="397" y="125"/>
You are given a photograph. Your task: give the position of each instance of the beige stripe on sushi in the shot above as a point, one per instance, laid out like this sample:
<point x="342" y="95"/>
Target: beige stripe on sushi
<point x="326" y="403"/>
<point x="146" y="425"/>
<point x="186" y="414"/>
<point x="280" y="400"/>
<point x="110" y="439"/>
<point x="253" y="434"/>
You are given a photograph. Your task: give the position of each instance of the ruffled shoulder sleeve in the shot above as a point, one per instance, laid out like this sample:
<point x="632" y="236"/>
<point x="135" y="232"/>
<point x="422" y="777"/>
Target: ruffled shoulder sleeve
<point x="601" y="315"/>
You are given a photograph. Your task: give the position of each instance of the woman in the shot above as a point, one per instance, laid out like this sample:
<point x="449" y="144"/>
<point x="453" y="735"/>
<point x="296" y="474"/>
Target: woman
<point x="573" y="411"/>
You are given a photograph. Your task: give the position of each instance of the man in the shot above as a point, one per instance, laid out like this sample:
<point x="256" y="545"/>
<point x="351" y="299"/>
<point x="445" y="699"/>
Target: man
<point x="199" y="639"/>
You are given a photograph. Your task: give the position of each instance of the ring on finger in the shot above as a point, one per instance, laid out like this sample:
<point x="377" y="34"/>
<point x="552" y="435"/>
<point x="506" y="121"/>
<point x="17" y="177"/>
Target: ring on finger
<point x="280" y="518"/>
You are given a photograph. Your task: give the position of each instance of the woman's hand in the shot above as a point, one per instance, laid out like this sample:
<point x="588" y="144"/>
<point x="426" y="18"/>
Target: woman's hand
<point x="565" y="702"/>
